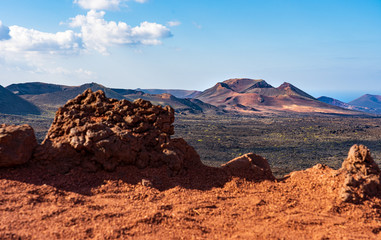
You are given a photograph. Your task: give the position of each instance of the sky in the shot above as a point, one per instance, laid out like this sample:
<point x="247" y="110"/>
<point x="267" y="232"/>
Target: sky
<point x="324" y="47"/>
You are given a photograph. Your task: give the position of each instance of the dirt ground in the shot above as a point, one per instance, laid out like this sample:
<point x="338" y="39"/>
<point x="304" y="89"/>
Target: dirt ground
<point x="200" y="204"/>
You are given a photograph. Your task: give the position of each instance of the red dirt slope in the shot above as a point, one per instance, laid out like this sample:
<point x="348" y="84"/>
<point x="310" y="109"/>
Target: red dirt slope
<point x="148" y="204"/>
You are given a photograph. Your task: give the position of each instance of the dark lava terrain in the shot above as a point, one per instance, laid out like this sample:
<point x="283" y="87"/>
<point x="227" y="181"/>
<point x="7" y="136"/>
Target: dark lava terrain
<point x="289" y="143"/>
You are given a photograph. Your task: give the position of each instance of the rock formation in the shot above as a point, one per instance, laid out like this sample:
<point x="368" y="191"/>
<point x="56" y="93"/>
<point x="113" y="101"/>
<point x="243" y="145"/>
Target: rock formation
<point x="97" y="132"/>
<point x="362" y="178"/>
<point x="250" y="166"/>
<point x="16" y="144"/>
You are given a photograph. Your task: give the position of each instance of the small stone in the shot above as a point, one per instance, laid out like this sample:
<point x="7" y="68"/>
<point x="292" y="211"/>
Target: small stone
<point x="146" y="183"/>
<point x="346" y="196"/>
<point x="249" y="165"/>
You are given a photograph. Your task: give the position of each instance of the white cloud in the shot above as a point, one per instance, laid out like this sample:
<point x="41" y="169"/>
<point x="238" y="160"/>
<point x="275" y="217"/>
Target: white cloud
<point x="98" y="4"/>
<point x="102" y="4"/>
<point x="29" y="40"/>
<point x="95" y="34"/>
<point x="4" y="32"/>
<point x="174" y="23"/>
<point x="98" y="34"/>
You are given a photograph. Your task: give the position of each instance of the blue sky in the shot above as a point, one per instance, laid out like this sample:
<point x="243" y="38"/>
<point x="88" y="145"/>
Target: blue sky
<point x="325" y="47"/>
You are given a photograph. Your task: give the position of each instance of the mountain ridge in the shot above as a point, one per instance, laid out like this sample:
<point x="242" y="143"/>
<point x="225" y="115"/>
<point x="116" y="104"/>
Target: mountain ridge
<point x="236" y="95"/>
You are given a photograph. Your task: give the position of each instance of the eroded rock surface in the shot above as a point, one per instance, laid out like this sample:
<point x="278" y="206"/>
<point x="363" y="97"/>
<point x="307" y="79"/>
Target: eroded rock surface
<point x="250" y="166"/>
<point x="97" y="132"/>
<point x="17" y="144"/>
<point x="362" y="178"/>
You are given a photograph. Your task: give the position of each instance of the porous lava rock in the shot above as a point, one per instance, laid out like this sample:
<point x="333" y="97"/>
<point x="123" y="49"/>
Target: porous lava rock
<point x="17" y="144"/>
<point x="362" y="175"/>
<point x="97" y="132"/>
<point x="249" y="166"/>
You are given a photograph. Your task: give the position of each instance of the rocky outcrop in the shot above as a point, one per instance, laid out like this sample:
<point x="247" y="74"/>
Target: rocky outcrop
<point x="250" y="166"/>
<point x="17" y="144"/>
<point x="362" y="178"/>
<point x="97" y="132"/>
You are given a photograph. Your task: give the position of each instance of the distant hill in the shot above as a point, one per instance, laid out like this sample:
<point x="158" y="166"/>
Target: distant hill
<point x="51" y="101"/>
<point x="49" y="96"/>
<point x="251" y="95"/>
<point x="35" y="88"/>
<point x="368" y="101"/>
<point x="181" y="105"/>
<point x="341" y="104"/>
<point x="175" y="92"/>
<point x="334" y="102"/>
<point x="13" y="104"/>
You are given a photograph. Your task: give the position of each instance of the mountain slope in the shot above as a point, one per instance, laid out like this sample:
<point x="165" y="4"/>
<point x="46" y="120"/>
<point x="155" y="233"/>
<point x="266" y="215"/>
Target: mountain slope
<point x="13" y="104"/>
<point x="289" y="89"/>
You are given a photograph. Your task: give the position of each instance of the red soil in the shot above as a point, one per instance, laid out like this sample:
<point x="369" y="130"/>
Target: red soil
<point x="202" y="204"/>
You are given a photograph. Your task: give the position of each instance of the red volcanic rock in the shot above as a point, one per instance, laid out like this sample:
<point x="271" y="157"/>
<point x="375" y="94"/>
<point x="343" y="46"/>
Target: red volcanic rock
<point x="362" y="175"/>
<point x="16" y="144"/>
<point x="250" y="166"/>
<point x="96" y="132"/>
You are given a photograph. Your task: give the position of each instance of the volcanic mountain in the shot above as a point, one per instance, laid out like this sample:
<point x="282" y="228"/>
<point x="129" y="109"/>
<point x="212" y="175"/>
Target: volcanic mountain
<point x="247" y="95"/>
<point x="13" y="104"/>
<point x="371" y="102"/>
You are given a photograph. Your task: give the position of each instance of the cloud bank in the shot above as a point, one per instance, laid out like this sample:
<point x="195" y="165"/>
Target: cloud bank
<point x="95" y="34"/>
<point x="98" y="34"/>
